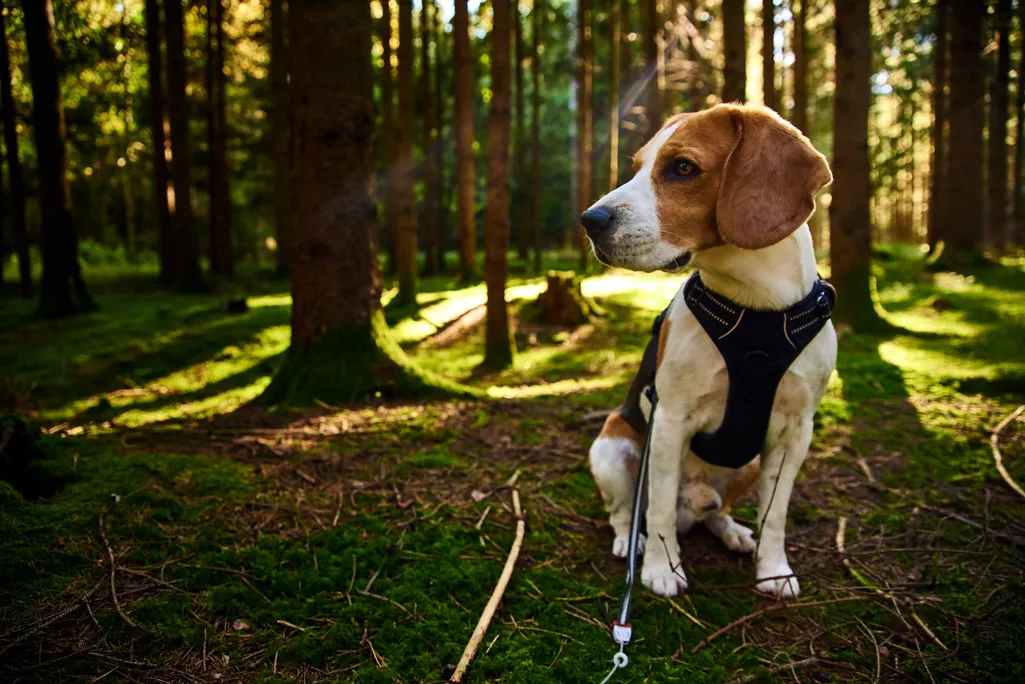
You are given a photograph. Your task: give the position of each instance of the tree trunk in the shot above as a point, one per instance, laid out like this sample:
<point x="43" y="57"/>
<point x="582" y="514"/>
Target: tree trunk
<point x="998" y="102"/>
<point x="800" y="113"/>
<point x="735" y="48"/>
<point x="652" y="31"/>
<point x="280" y="134"/>
<point x="1018" y="236"/>
<point x="769" y="55"/>
<point x="585" y="122"/>
<point x="520" y="208"/>
<point x="850" y="243"/>
<point x="430" y="175"/>
<point x="466" y="181"/>
<point x="158" y="119"/>
<point x="441" y="143"/>
<point x="340" y="348"/>
<point x="537" y="17"/>
<point x="405" y="198"/>
<point x="189" y="278"/>
<point x="16" y="184"/>
<point x="222" y="262"/>
<point x="614" y="68"/>
<point x="936" y="226"/>
<point x="964" y="212"/>
<point x="62" y="291"/>
<point x="498" y="352"/>
<point x="385" y="187"/>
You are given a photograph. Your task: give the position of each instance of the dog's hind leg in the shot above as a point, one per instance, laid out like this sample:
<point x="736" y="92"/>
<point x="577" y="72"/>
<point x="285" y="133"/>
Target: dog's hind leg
<point x="780" y="464"/>
<point x="614" y="458"/>
<point x="735" y="536"/>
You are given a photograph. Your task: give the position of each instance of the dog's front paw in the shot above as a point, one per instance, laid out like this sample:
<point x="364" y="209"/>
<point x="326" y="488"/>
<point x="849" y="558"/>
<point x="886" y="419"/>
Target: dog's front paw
<point x="621" y="545"/>
<point x="662" y="579"/>
<point x="780" y="582"/>
<point x="739" y="538"/>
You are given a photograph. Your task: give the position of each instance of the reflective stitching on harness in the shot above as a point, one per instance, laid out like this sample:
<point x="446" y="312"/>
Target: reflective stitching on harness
<point x="785" y="333"/>
<point x="806" y="325"/>
<point x="804" y="313"/>
<point x="710" y="296"/>
<point x="739" y="318"/>
<point x="710" y="313"/>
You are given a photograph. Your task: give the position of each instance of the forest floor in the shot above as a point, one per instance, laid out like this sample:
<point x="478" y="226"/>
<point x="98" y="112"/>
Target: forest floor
<point x="169" y="531"/>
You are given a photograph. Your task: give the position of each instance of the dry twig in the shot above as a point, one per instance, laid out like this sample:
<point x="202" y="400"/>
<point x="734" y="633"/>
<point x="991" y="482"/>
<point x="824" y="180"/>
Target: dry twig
<point x="113" y="571"/>
<point x="994" y="440"/>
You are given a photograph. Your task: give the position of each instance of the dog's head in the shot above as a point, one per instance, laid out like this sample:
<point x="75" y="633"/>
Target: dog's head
<point x="732" y="174"/>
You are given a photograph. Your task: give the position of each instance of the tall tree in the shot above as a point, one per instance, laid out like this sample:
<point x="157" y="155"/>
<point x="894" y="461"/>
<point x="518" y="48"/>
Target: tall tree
<point x="405" y="199"/>
<point x="614" y="69"/>
<point x="1018" y="235"/>
<point x="967" y="116"/>
<point x="158" y="151"/>
<point x="340" y="348"/>
<point x="466" y="179"/>
<point x="16" y="184"/>
<point x="938" y="171"/>
<point x="430" y="138"/>
<point x="585" y="120"/>
<point x="387" y="137"/>
<point x="280" y="136"/>
<point x="850" y="243"/>
<point x="652" y="32"/>
<point x="498" y="352"/>
<point x="735" y="48"/>
<point x="187" y="272"/>
<point x="442" y="140"/>
<point x="521" y="222"/>
<point x="800" y="113"/>
<point x="62" y="290"/>
<point x="998" y="102"/>
<point x="537" y="20"/>
<point x="769" y="92"/>
<point x="222" y="261"/>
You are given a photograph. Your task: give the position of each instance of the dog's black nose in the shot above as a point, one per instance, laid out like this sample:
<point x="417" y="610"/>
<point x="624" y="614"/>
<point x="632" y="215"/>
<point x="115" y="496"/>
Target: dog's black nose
<point x="596" y="221"/>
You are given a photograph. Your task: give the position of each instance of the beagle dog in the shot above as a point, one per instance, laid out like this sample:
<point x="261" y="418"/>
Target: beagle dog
<point x="730" y="190"/>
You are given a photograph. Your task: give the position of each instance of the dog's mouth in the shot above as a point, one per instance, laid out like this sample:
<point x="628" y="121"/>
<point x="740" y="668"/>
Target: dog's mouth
<point x="677" y="263"/>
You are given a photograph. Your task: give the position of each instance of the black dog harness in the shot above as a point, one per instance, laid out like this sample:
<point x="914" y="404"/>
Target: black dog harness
<point x="758" y="348"/>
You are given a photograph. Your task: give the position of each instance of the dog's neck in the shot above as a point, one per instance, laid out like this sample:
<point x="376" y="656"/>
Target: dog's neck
<point x="773" y="278"/>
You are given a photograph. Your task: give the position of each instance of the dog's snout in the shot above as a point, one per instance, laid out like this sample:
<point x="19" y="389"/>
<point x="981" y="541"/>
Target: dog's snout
<point x="596" y="221"/>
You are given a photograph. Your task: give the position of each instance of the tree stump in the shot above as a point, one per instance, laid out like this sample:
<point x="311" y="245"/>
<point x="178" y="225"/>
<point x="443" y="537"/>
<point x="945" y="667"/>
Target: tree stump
<point x="563" y="303"/>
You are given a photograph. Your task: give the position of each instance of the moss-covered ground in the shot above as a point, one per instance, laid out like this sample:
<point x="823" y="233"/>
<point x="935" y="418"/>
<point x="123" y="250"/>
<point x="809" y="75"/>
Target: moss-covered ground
<point x="360" y="543"/>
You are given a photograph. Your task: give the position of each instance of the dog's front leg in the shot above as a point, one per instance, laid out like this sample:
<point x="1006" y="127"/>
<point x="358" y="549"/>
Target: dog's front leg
<point x="780" y="465"/>
<point x="661" y="571"/>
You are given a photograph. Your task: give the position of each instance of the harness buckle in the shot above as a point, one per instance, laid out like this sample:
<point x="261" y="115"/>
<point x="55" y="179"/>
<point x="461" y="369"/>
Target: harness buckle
<point x="823" y="306"/>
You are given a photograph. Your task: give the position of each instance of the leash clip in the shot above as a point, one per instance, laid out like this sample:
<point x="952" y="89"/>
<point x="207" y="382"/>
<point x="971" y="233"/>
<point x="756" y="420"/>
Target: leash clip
<point x="621" y="633"/>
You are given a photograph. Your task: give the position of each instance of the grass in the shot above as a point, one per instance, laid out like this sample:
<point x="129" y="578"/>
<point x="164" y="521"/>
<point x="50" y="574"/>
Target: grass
<point x="342" y="543"/>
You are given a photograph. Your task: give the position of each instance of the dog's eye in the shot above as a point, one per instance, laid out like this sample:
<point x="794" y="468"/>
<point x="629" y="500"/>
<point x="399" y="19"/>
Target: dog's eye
<point x="683" y="168"/>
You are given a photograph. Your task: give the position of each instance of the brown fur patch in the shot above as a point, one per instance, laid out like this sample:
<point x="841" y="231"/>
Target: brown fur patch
<point x="663" y="337"/>
<point x="617" y="428"/>
<point x="741" y="484"/>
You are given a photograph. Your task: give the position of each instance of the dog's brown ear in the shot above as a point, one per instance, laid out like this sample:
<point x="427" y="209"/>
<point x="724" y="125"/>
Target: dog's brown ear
<point x="769" y="180"/>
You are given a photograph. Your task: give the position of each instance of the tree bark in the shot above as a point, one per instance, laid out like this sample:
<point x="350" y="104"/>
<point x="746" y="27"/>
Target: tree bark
<point x="520" y="207"/>
<point x="936" y="226"/>
<point x="800" y="113"/>
<point x="430" y="138"/>
<point x="466" y="180"/>
<point x="735" y="47"/>
<point x="498" y="351"/>
<point x="442" y="142"/>
<point x="188" y="276"/>
<point x="998" y="102"/>
<point x="652" y="31"/>
<point x="405" y="199"/>
<point x="1018" y="236"/>
<point x="280" y="136"/>
<point x="770" y="96"/>
<point x="62" y="290"/>
<point x="222" y="262"/>
<point x="16" y="184"/>
<point x="614" y="68"/>
<point x="158" y="119"/>
<point x="387" y="138"/>
<point x="340" y="348"/>
<point x="850" y="244"/>
<point x="537" y="18"/>
<point x="967" y="117"/>
<point x="585" y="122"/>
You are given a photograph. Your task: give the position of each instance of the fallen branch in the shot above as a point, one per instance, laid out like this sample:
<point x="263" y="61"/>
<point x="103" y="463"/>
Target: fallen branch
<point x="113" y="571"/>
<point x="496" y="595"/>
<point x="807" y="662"/>
<point x="998" y="458"/>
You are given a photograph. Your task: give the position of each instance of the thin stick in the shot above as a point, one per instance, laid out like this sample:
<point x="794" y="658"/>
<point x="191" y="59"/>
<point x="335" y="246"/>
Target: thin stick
<point x="496" y="595"/>
<point x="790" y="666"/>
<point x="338" y="511"/>
<point x="998" y="458"/>
<point x="762" y="611"/>
<point x="113" y="571"/>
